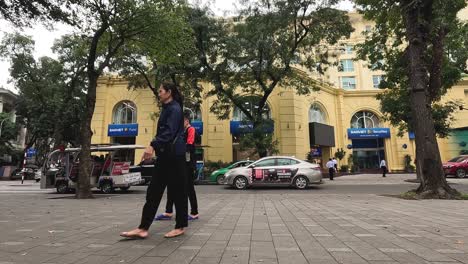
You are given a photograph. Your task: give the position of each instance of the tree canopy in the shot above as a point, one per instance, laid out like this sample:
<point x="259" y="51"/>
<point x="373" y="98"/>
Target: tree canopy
<point x="385" y="48"/>
<point x="50" y="99"/>
<point x="9" y="133"/>
<point x="25" y="12"/>
<point x="107" y="28"/>
<point x="422" y="45"/>
<point x="250" y="55"/>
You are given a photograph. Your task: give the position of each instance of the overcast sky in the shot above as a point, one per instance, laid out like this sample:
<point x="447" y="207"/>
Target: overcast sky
<point x="44" y="38"/>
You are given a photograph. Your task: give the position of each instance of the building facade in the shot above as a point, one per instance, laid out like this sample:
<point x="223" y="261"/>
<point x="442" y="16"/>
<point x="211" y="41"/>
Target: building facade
<point x="7" y="105"/>
<point x="344" y="114"/>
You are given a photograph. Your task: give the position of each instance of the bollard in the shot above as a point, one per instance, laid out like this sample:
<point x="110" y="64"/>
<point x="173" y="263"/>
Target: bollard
<point x="24" y="167"/>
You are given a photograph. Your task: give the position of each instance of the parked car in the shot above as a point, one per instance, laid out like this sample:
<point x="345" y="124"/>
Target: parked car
<point x="146" y="169"/>
<point x="275" y="170"/>
<point x="218" y="175"/>
<point x="457" y="166"/>
<point x="29" y="172"/>
<point x="38" y="175"/>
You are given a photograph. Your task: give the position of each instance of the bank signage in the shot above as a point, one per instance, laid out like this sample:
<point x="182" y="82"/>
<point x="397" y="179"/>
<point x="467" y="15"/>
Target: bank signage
<point x="30" y="152"/>
<point x="316" y="151"/>
<point x="198" y="125"/>
<point x="242" y="127"/>
<point x="122" y="130"/>
<point x="354" y="133"/>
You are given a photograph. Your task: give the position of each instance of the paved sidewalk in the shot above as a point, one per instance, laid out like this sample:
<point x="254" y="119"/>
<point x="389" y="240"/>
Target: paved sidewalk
<point x="29" y="186"/>
<point x="237" y="227"/>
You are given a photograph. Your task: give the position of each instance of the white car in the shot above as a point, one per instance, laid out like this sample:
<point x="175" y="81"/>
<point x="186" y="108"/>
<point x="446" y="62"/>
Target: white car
<point x="277" y="170"/>
<point x="38" y="175"/>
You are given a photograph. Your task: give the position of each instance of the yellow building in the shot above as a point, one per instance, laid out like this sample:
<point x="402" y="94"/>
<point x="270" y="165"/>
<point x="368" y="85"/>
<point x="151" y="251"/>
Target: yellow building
<point x="343" y="114"/>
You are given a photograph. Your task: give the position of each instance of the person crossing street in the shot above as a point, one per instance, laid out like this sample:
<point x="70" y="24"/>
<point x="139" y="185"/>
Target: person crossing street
<point x="331" y="169"/>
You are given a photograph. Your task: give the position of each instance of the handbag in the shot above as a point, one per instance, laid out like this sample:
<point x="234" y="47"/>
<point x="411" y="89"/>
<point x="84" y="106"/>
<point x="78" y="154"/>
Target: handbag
<point x="170" y="149"/>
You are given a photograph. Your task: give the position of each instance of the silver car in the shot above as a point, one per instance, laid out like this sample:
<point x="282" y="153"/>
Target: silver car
<point x="275" y="170"/>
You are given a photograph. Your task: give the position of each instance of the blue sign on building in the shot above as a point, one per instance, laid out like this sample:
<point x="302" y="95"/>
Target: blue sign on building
<point x="411" y="135"/>
<point x="316" y="151"/>
<point x="354" y="133"/>
<point x="30" y="152"/>
<point x="242" y="127"/>
<point x="198" y="125"/>
<point x="122" y="130"/>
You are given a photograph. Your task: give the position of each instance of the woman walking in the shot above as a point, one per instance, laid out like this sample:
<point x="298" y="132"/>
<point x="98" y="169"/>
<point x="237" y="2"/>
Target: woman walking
<point x="170" y="169"/>
<point x="190" y="162"/>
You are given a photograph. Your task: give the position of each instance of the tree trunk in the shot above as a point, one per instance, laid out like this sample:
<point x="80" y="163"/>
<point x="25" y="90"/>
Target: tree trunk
<point x="433" y="183"/>
<point x="262" y="153"/>
<point x="83" y="188"/>
<point x="28" y="145"/>
<point x="58" y="135"/>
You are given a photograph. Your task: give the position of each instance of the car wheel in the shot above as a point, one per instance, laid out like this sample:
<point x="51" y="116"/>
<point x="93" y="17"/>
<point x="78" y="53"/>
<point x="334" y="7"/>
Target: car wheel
<point x="106" y="187"/>
<point x="62" y="187"/>
<point x="125" y="188"/>
<point x="220" y="179"/>
<point x="300" y="182"/>
<point x="240" y="183"/>
<point x="461" y="173"/>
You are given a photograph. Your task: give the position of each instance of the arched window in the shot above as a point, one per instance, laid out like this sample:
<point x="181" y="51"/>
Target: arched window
<point x="365" y="119"/>
<point x="125" y="112"/>
<point x="195" y="113"/>
<point x="251" y="104"/>
<point x="316" y="114"/>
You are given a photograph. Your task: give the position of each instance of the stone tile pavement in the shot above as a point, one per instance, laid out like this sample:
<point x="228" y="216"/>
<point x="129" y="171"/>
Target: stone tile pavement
<point x="255" y="226"/>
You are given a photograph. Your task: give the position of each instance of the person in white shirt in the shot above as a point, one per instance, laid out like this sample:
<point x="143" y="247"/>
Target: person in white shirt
<point x="383" y="166"/>
<point x="335" y="164"/>
<point x="331" y="169"/>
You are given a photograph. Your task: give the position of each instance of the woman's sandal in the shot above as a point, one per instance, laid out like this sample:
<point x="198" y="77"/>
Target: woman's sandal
<point x="174" y="233"/>
<point x="132" y="235"/>
<point x="192" y="217"/>
<point x="163" y="217"/>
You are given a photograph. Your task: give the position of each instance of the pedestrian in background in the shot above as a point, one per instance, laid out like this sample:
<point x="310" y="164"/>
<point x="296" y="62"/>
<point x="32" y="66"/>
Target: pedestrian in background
<point x="191" y="164"/>
<point x="170" y="168"/>
<point x="331" y="168"/>
<point x="335" y="164"/>
<point x="383" y="166"/>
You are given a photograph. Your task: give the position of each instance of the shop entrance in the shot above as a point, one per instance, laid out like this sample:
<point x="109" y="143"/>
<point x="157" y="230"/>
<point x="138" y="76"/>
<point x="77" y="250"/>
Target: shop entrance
<point x="368" y="153"/>
<point x="322" y="138"/>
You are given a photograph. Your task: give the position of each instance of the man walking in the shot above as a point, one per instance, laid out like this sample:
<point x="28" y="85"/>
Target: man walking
<point x="331" y="168"/>
<point x="335" y="164"/>
<point x="383" y="166"/>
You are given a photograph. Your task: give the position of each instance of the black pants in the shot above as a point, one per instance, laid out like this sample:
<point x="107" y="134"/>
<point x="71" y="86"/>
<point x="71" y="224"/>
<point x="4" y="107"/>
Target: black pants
<point x="384" y="171"/>
<point x="192" y="195"/>
<point x="331" y="171"/>
<point x="170" y="172"/>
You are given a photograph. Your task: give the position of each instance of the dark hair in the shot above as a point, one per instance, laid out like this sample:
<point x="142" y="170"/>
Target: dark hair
<point x="187" y="115"/>
<point x="176" y="95"/>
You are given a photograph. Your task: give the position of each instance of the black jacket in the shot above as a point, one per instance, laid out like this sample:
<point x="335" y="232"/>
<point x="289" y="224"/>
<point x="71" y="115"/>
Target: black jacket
<point x="170" y="126"/>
